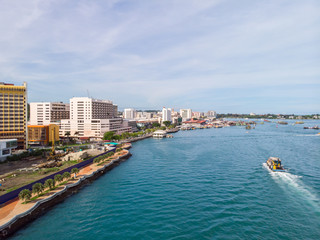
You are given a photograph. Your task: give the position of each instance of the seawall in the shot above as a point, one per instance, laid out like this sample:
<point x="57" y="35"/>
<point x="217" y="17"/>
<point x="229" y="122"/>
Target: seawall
<point x="42" y="206"/>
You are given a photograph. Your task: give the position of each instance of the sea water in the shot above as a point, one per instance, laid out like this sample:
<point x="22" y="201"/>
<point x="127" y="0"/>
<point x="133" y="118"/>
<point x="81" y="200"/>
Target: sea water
<point x="201" y="184"/>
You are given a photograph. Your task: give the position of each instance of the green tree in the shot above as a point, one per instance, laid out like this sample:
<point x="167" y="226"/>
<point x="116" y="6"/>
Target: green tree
<point x="163" y="128"/>
<point x="66" y="175"/>
<point x="58" y="178"/>
<point x="167" y="123"/>
<point x="67" y="134"/>
<point x="25" y="194"/>
<point x="108" y="135"/>
<point x="154" y="125"/>
<point x="37" y="188"/>
<point x="75" y="171"/>
<point x="49" y="183"/>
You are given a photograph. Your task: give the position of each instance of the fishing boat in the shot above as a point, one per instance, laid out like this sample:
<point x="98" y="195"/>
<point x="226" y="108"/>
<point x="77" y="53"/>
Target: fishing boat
<point x="274" y="164"/>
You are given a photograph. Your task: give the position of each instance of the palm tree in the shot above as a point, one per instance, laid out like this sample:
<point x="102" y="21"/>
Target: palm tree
<point x="49" y="183"/>
<point x="67" y="134"/>
<point x="66" y="175"/>
<point x="75" y="171"/>
<point x="25" y="194"/>
<point x="58" y="178"/>
<point x="37" y="188"/>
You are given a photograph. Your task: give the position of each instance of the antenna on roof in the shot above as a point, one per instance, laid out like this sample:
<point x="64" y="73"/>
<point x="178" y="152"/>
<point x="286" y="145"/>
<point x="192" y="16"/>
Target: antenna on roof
<point x="88" y="93"/>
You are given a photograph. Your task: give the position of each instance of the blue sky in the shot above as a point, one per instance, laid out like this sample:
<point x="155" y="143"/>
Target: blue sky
<point x="229" y="56"/>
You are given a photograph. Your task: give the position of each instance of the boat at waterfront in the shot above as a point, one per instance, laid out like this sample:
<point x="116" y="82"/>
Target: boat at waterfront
<point x="274" y="164"/>
<point x="314" y="127"/>
<point x="283" y="122"/>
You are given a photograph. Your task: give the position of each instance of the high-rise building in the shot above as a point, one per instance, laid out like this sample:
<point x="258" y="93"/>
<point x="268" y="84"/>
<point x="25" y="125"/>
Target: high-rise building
<point x="13" y="113"/>
<point x="92" y="118"/>
<point x="186" y="114"/>
<point x="129" y="113"/>
<point x="45" y="113"/>
<point x="166" y="114"/>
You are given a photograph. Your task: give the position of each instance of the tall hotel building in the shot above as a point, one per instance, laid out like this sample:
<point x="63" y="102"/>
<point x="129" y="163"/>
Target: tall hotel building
<point x="13" y="113"/>
<point x="166" y="114"/>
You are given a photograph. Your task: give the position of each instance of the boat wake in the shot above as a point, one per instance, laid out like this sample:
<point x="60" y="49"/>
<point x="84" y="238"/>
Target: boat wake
<point x="293" y="184"/>
<point x="308" y="135"/>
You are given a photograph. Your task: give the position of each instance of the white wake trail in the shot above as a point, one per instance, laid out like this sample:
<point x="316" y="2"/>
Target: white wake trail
<point x="293" y="184"/>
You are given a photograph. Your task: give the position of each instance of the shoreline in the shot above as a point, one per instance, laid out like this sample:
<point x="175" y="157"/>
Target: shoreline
<point x="42" y="206"/>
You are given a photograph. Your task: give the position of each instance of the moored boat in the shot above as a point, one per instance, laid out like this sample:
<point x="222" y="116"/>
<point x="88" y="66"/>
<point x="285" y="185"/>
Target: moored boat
<point x="274" y="164"/>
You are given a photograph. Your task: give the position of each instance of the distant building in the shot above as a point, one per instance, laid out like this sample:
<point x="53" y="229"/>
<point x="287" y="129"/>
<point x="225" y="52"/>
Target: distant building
<point x="6" y="146"/>
<point x="13" y="113"/>
<point x="195" y="123"/>
<point x="166" y="114"/>
<point x="159" y="134"/>
<point x="197" y="114"/>
<point x="44" y="113"/>
<point x="43" y="134"/>
<point x="186" y="114"/>
<point x="91" y="117"/>
<point x="129" y="113"/>
<point x="211" y="114"/>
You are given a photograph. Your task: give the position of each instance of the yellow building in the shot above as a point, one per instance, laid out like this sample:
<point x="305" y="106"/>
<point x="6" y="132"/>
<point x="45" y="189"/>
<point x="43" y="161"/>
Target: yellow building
<point x="13" y="113"/>
<point x="43" y="134"/>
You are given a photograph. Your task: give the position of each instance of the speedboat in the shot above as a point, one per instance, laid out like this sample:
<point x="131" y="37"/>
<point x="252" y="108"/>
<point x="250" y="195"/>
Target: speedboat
<point x="274" y="164"/>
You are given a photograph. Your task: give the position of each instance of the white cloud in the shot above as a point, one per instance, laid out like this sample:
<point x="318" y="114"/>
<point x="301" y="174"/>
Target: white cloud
<point x="158" y="50"/>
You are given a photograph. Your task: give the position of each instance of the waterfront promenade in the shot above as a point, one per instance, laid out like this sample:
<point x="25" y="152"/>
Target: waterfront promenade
<point x="16" y="206"/>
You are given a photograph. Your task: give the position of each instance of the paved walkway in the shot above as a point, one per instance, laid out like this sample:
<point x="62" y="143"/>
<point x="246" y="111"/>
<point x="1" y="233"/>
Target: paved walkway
<point x="16" y="206"/>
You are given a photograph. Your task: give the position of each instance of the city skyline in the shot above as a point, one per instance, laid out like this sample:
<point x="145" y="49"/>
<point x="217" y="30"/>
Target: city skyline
<point x="225" y="56"/>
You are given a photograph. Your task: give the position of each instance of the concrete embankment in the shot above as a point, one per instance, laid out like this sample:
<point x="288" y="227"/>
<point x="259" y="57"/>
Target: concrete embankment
<point x="42" y="206"/>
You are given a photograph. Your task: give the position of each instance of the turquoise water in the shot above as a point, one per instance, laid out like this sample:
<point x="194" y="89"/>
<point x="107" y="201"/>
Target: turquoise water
<point x="201" y="184"/>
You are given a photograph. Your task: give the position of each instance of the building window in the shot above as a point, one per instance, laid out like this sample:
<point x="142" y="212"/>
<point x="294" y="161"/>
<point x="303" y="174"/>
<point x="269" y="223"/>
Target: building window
<point x="5" y="151"/>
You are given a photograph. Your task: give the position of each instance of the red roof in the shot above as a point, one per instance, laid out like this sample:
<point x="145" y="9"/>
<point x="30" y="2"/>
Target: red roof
<point x="195" y="121"/>
<point x="83" y="138"/>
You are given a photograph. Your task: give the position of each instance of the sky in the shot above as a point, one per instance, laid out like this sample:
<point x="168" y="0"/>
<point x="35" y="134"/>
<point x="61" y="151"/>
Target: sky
<point x="230" y="56"/>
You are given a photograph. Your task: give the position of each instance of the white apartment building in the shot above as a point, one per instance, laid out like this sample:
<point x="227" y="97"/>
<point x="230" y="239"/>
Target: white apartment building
<point x="45" y="113"/>
<point x="92" y="118"/>
<point x="198" y="114"/>
<point x="212" y="114"/>
<point x="166" y="114"/>
<point x="186" y="114"/>
<point x="129" y="113"/>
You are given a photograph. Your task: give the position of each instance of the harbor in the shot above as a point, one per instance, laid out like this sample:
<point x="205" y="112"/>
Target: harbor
<point x="159" y="179"/>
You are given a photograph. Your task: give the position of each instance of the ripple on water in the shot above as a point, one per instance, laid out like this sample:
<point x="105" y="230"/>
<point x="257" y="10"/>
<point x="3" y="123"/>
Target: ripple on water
<point x="206" y="184"/>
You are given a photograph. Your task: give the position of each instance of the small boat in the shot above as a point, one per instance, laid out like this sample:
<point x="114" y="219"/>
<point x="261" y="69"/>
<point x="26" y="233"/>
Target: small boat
<point x="274" y="164"/>
<point x="283" y="122"/>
